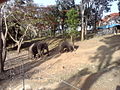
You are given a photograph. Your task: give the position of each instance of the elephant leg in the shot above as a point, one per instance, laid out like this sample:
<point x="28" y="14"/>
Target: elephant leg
<point x="42" y="52"/>
<point x="39" y="53"/>
<point x="47" y="51"/>
<point x="61" y="49"/>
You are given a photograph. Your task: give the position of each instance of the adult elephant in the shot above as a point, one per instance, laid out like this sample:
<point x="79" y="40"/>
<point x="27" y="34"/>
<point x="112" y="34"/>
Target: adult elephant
<point x="65" y="46"/>
<point x="41" y="47"/>
<point x="38" y="48"/>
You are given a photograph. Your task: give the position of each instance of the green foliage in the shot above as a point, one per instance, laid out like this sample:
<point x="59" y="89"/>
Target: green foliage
<point x="73" y="33"/>
<point x="66" y="34"/>
<point x="72" y="18"/>
<point x="72" y="22"/>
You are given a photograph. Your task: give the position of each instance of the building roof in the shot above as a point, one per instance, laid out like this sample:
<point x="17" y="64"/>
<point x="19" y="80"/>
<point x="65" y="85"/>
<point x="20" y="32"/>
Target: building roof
<point x="109" y="17"/>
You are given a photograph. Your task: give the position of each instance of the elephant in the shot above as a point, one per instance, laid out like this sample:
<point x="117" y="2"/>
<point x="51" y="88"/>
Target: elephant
<point x="38" y="49"/>
<point x="65" y="46"/>
<point x="33" y="50"/>
<point x="41" y="46"/>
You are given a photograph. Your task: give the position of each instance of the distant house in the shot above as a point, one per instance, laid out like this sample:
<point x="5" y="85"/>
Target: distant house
<point x="110" y="19"/>
<point x="109" y="24"/>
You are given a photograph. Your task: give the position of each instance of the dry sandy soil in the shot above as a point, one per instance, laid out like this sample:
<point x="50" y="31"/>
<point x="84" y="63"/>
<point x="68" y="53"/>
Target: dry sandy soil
<point x="95" y="65"/>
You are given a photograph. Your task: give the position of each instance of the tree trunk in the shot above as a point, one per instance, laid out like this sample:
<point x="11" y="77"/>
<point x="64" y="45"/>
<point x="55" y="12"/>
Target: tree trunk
<point x="19" y="43"/>
<point x="19" y="46"/>
<point x="51" y="33"/>
<point x="3" y="44"/>
<point x="99" y="24"/>
<point x="0" y="42"/>
<point x="72" y="40"/>
<point x="82" y="27"/>
<point x="1" y="65"/>
<point x="86" y="28"/>
<point x="4" y="53"/>
<point x="54" y="33"/>
<point x="62" y="26"/>
<point x="40" y="34"/>
<point x="95" y="23"/>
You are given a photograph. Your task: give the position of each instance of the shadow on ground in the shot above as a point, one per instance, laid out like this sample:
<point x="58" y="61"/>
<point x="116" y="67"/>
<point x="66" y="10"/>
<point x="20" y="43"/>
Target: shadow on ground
<point x="118" y="87"/>
<point x="73" y="81"/>
<point x="104" y="56"/>
<point x="25" y="65"/>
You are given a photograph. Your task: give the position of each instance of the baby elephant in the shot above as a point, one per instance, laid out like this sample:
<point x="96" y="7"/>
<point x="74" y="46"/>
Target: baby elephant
<point x="38" y="48"/>
<point x="65" y="46"/>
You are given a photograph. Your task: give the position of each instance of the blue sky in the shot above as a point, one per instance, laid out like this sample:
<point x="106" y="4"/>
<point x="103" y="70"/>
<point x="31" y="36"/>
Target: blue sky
<point x="49" y="2"/>
<point x="114" y="7"/>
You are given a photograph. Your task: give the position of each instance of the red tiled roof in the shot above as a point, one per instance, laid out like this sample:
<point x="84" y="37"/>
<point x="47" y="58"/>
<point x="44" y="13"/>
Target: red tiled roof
<point x="109" y="17"/>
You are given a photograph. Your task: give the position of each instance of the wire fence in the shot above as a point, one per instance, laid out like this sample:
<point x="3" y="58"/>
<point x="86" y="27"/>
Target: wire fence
<point x="22" y="74"/>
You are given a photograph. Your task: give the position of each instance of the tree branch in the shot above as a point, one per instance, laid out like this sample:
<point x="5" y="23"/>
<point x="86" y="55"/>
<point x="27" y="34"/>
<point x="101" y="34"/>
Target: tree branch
<point x="6" y="32"/>
<point x="22" y="37"/>
<point x="12" y="38"/>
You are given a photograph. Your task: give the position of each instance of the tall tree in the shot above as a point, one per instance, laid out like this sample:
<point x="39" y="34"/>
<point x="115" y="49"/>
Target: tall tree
<point x="63" y="6"/>
<point x="72" y="21"/>
<point x="49" y="19"/>
<point x="21" y="21"/>
<point x="1" y="66"/>
<point x="5" y="13"/>
<point x="96" y="8"/>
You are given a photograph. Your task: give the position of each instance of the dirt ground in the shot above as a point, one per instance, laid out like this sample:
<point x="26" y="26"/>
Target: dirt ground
<point x="95" y="65"/>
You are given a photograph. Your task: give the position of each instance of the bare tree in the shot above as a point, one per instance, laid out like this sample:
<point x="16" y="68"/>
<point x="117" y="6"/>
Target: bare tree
<point x="20" y="40"/>
<point x="4" y="33"/>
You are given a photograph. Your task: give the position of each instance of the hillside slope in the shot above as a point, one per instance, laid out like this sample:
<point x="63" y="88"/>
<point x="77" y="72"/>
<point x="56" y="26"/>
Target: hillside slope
<point x="95" y="65"/>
